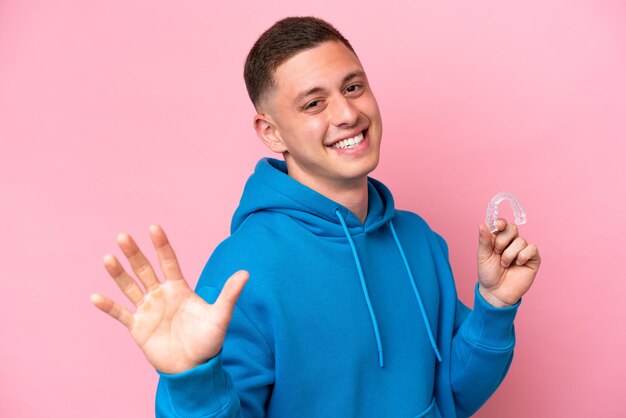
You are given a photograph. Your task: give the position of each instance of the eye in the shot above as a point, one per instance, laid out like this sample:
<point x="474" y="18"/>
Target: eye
<point x="353" y="88"/>
<point x="312" y="104"/>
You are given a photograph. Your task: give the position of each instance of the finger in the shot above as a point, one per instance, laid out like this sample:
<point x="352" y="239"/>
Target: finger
<point x="505" y="237"/>
<point x="124" y="281"/>
<point x="485" y="242"/>
<point x="529" y="255"/>
<point x="230" y="292"/>
<point x="115" y="310"/>
<point x="140" y="264"/>
<point x="501" y="223"/>
<point x="511" y="252"/>
<point x="165" y="253"/>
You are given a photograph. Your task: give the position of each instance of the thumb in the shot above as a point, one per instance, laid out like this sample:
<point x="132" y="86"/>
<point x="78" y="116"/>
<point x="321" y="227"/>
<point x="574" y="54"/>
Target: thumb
<point x="231" y="291"/>
<point x="485" y="242"/>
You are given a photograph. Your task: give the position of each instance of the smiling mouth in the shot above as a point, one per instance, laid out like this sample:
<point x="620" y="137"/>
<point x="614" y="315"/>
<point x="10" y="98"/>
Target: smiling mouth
<point x="350" y="142"/>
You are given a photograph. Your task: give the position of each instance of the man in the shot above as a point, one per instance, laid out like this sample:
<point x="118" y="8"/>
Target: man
<point x="350" y="309"/>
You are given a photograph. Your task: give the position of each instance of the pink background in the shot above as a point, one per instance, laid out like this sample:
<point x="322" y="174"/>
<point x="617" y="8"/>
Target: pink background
<point x="118" y="114"/>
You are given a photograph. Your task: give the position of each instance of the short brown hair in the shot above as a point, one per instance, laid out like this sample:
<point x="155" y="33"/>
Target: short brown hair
<point x="283" y="40"/>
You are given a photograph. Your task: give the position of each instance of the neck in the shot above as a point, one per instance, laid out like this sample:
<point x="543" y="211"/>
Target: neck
<point x="354" y="198"/>
<point x="351" y="194"/>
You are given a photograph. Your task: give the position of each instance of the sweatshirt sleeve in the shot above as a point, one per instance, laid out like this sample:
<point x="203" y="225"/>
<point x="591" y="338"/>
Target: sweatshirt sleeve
<point x="204" y="391"/>
<point x="233" y="384"/>
<point x="482" y="351"/>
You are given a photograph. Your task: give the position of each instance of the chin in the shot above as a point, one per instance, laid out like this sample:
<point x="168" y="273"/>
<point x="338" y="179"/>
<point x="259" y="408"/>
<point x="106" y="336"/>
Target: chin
<point x="365" y="169"/>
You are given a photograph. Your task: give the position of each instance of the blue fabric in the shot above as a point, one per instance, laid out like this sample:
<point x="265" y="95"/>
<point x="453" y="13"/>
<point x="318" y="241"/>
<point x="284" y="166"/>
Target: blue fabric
<point x="417" y="294"/>
<point x="327" y="295"/>
<point x="366" y="294"/>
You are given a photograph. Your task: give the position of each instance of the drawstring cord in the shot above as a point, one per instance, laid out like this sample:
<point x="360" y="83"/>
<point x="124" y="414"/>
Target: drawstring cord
<point x="364" y="288"/>
<point x="416" y="292"/>
<point x="367" y="297"/>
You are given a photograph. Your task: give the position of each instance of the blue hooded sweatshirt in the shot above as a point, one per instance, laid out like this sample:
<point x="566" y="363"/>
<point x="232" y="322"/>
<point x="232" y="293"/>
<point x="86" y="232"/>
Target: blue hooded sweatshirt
<point x="339" y="318"/>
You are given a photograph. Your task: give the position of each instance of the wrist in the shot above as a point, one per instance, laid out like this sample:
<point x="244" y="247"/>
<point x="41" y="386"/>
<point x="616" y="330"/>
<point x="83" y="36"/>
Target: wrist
<point x="180" y="364"/>
<point x="491" y="299"/>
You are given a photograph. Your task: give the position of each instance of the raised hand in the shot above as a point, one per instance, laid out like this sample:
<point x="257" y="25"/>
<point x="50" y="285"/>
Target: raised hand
<point x="174" y="327"/>
<point x="507" y="264"/>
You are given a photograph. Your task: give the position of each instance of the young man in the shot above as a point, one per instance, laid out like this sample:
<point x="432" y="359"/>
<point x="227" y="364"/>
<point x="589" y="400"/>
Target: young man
<point x="350" y="309"/>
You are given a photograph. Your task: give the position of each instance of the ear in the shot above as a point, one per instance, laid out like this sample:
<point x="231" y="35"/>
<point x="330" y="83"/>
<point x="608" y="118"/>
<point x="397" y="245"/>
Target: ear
<point x="268" y="133"/>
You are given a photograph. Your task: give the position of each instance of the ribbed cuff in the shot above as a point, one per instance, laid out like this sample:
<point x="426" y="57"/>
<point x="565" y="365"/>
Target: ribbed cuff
<point x="203" y="389"/>
<point x="489" y="326"/>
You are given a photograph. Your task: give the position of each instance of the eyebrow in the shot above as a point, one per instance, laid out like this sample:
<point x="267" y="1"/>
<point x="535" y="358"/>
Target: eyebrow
<point x="315" y="90"/>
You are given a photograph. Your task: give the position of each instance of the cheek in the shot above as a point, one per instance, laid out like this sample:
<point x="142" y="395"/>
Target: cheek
<point x="375" y="109"/>
<point x="312" y="128"/>
<point x="369" y="107"/>
<point x="303" y="133"/>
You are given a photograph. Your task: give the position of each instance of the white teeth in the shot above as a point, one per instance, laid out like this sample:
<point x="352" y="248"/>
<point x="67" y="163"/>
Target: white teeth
<point x="350" y="142"/>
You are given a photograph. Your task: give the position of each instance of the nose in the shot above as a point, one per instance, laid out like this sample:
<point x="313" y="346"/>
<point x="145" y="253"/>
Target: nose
<point x="344" y="113"/>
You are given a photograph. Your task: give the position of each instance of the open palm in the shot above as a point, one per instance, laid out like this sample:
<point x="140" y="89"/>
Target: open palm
<point x="175" y="328"/>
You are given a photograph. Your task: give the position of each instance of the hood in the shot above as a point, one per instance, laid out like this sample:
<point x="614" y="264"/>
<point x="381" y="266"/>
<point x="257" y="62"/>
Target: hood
<point x="271" y="189"/>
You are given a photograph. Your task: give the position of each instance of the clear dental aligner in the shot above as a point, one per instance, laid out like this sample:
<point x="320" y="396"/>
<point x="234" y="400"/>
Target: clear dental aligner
<point x="492" y="210"/>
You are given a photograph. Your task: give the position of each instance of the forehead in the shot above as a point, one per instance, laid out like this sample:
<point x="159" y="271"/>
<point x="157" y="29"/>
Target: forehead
<point x="323" y="66"/>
